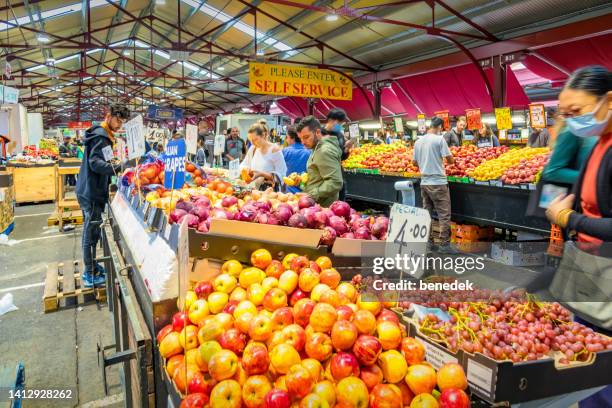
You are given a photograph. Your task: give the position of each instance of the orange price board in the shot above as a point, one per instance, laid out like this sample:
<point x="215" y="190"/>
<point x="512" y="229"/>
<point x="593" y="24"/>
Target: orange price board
<point x="444" y="116"/>
<point x="474" y="119"/>
<point x="537" y="115"/>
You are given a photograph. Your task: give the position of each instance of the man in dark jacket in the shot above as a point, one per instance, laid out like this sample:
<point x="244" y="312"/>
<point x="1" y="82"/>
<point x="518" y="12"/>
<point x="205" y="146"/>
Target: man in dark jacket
<point x="336" y="118"/>
<point x="92" y="187"/>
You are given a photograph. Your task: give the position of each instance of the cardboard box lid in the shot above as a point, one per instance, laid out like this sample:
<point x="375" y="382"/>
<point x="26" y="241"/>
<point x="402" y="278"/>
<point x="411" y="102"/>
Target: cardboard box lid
<point x="267" y="233"/>
<point x="6" y="179"/>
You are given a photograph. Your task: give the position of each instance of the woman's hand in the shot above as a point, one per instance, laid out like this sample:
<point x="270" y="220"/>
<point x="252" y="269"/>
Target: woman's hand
<point x="557" y="205"/>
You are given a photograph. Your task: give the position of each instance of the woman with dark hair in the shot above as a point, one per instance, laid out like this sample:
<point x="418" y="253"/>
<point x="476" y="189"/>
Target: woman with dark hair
<point x="484" y="137"/>
<point x="264" y="158"/>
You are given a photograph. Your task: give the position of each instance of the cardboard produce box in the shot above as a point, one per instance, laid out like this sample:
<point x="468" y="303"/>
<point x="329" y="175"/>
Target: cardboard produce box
<point x="518" y="254"/>
<point x="7" y="198"/>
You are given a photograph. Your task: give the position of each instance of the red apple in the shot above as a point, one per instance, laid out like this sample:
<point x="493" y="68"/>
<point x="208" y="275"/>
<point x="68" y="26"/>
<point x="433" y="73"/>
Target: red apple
<point x="275" y="269"/>
<point x="385" y="396"/>
<point x="295" y="335"/>
<point x="276" y="398"/>
<point x="198" y="400"/>
<point x="260" y="328"/>
<point x="274" y="299"/>
<point x="314" y="266"/>
<point x="197" y="383"/>
<point x="372" y="376"/>
<point x="299" y="381"/>
<point x="297" y="295"/>
<point x="367" y="349"/>
<point x="254" y="391"/>
<point x="345" y="313"/>
<point x="387" y="315"/>
<point x="319" y="346"/>
<point x="230" y="307"/>
<point x="343" y="335"/>
<point x="323" y="317"/>
<point x="183" y="374"/>
<point x="203" y="289"/>
<point x="164" y="332"/>
<point x="302" y="311"/>
<point x="233" y="340"/>
<point x="179" y="321"/>
<point x="255" y="358"/>
<point x="453" y="398"/>
<point x="298" y="263"/>
<point x="282" y="318"/>
<point x="412" y="350"/>
<point x="365" y="322"/>
<point x="173" y="363"/>
<point x="344" y="365"/>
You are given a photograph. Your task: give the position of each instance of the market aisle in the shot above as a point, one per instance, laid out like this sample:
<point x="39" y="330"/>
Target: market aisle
<point x="58" y="349"/>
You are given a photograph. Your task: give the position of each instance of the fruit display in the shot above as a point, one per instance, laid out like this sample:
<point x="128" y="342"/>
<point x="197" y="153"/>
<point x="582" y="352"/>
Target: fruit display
<point x="281" y="334"/>
<point x="495" y="168"/>
<point x="202" y="205"/>
<point x="145" y="174"/>
<point x="468" y="157"/>
<point x="295" y="179"/>
<point x="395" y="158"/>
<point x="508" y="329"/>
<point x="195" y="174"/>
<point x="527" y="171"/>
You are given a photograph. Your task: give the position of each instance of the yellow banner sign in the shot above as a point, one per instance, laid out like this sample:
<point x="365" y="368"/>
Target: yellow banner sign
<point x="272" y="79"/>
<point x="503" y="117"/>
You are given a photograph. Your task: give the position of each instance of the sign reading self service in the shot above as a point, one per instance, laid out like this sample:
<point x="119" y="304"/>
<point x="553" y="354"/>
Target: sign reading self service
<point x="174" y="164"/>
<point x="290" y="80"/>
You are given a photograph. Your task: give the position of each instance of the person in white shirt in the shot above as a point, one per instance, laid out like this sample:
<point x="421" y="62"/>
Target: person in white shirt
<point x="264" y="158"/>
<point x="430" y="151"/>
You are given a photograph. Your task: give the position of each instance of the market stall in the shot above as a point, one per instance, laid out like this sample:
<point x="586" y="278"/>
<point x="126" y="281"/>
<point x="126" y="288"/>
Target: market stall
<point x="33" y="182"/>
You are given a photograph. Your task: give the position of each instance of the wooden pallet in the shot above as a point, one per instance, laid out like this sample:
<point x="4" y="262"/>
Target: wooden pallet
<point x="63" y="287"/>
<point x="69" y="217"/>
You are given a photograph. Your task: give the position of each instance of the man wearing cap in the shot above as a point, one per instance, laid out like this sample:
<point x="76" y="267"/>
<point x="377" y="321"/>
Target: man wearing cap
<point x="97" y="167"/>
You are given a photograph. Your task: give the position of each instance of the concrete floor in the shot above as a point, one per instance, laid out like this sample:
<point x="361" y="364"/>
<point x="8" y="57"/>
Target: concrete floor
<point x="58" y="349"/>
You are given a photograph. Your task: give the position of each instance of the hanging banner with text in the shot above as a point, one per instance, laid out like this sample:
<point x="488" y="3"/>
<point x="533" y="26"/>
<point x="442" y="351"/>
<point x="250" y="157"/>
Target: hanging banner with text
<point x="135" y="137"/>
<point x="421" y="123"/>
<point x="503" y="118"/>
<point x="444" y="116"/>
<point x="537" y="115"/>
<point x="474" y="120"/>
<point x="289" y="80"/>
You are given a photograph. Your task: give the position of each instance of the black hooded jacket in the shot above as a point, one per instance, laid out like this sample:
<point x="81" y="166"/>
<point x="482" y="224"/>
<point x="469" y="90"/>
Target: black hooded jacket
<point x="95" y="174"/>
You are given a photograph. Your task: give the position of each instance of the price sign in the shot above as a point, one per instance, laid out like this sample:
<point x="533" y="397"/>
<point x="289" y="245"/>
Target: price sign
<point x="182" y="254"/>
<point x="399" y="125"/>
<point x="174" y="164"/>
<point x="474" y="120"/>
<point x="191" y="136"/>
<point x="537" y="115"/>
<point x="219" y="146"/>
<point x="421" y="126"/>
<point x="444" y="116"/>
<point x="354" y="130"/>
<point x="234" y="169"/>
<point x="408" y="232"/>
<point x="121" y="149"/>
<point x="134" y="136"/>
<point x="503" y="118"/>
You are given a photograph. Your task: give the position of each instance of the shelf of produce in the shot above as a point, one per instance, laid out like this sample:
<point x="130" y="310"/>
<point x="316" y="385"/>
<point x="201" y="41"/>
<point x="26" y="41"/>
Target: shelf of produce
<point x="502" y="207"/>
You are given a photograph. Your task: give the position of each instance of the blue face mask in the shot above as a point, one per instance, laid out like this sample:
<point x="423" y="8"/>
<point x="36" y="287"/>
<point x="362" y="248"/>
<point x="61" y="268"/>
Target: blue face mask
<point x="338" y="128"/>
<point x="586" y="125"/>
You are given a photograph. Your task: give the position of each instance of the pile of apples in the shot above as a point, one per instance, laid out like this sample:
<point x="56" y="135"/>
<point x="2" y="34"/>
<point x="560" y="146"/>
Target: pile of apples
<point x="527" y="171"/>
<point x="395" y="157"/>
<point x="146" y="174"/>
<point x="281" y="334"/>
<point x="495" y="168"/>
<point x="468" y="157"/>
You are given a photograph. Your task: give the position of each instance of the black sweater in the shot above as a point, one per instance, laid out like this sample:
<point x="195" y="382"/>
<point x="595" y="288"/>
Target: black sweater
<point x="596" y="227"/>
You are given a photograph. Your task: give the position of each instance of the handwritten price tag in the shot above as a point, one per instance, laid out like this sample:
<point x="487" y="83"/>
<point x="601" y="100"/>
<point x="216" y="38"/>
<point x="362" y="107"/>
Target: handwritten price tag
<point x="408" y="232"/>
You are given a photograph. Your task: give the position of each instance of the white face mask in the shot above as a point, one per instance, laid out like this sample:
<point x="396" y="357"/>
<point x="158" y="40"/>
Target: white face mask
<point x="587" y="125"/>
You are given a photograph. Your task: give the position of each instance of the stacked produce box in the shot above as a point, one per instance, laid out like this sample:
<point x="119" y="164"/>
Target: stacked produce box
<point x="7" y="199"/>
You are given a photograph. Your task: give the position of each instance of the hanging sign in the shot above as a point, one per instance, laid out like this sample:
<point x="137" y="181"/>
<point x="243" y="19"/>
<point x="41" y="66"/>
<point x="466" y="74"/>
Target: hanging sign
<point x="354" y="130"/>
<point x="174" y="164"/>
<point x="79" y="125"/>
<point x="234" y="169"/>
<point x="503" y="118"/>
<point x="135" y="137"/>
<point x="191" y="136"/>
<point x="219" y="146"/>
<point x="159" y="112"/>
<point x="399" y="125"/>
<point x="120" y="145"/>
<point x="8" y="94"/>
<point x="290" y="80"/>
<point x="474" y="120"/>
<point x="537" y="115"/>
<point x="421" y="126"/>
<point x="444" y="116"/>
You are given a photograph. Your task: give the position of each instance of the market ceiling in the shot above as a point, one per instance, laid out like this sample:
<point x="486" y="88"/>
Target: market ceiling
<point x="69" y="58"/>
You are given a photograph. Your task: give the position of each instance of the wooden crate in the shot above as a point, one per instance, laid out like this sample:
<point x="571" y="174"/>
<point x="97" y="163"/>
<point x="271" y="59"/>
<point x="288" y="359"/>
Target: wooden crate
<point x="33" y="183"/>
<point x="63" y="287"/>
<point x="69" y="217"/>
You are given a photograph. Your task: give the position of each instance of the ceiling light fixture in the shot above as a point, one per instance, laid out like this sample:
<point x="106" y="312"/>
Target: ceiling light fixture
<point x="221" y="69"/>
<point x="126" y="53"/>
<point x="42" y="38"/>
<point x="332" y="17"/>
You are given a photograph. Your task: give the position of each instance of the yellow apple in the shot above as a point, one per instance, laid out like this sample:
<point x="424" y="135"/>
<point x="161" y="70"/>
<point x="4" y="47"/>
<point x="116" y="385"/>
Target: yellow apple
<point x="217" y="301"/>
<point x="288" y="281"/>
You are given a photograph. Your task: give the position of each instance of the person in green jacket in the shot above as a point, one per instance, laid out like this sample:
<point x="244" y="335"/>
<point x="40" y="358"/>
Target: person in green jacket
<point x="568" y="155"/>
<point x="323" y="166"/>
